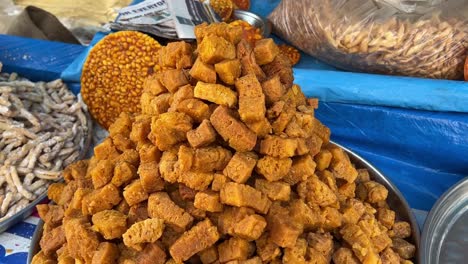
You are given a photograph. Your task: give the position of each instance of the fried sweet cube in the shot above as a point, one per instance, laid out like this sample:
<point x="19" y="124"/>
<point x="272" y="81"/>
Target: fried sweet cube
<point x="345" y="256"/>
<point x="261" y="127"/>
<point x="215" y="93"/>
<point x="124" y="172"/>
<point x="151" y="254"/>
<point x="187" y="193"/>
<point x="236" y="133"/>
<point x="52" y="240"/>
<point x="320" y="245"/>
<point x="55" y="191"/>
<point x="41" y="258"/>
<point x="106" y="253"/>
<point x="203" y="135"/>
<point x="102" y="173"/>
<point x="208" y="255"/>
<point x="228" y="70"/>
<point x="322" y="131"/>
<point x="251" y="99"/>
<point x="137" y="213"/>
<point x="208" y="201"/>
<point x="230" y="218"/>
<point x="81" y="240"/>
<point x="280" y="66"/>
<point x="278" y="147"/>
<point x="284" y="111"/>
<point x="403" y="248"/>
<point x="161" y="206"/>
<point x="276" y="191"/>
<point x="315" y="192"/>
<point x="235" y="249"/>
<point x="110" y="223"/>
<point x="146" y="231"/>
<point x="308" y="217"/>
<point x="101" y="199"/>
<point x="121" y="126"/>
<point x="167" y="167"/>
<point x="150" y="179"/>
<point x="149" y="153"/>
<point x="141" y="129"/>
<point x="359" y="241"/>
<point x="122" y="143"/>
<point x="153" y="85"/>
<point x="135" y="193"/>
<point x="219" y="180"/>
<point x="251" y="227"/>
<point x="301" y="169"/>
<point x="203" y="72"/>
<point x="146" y="104"/>
<point x="330" y="219"/>
<point x="183" y="93"/>
<point x="173" y="79"/>
<point x="130" y="156"/>
<point x="214" y="49"/>
<point x="246" y="56"/>
<point x="327" y="177"/>
<point x="401" y="229"/>
<point x="240" y="195"/>
<point x="229" y="32"/>
<point x="266" y="249"/>
<point x="341" y="166"/>
<point x="372" y="192"/>
<point x="169" y="129"/>
<point x="265" y="51"/>
<point x="323" y="159"/>
<point x="363" y="176"/>
<point x="68" y="191"/>
<point x="154" y="106"/>
<point x="76" y="202"/>
<point x="273" y="90"/>
<point x="176" y="55"/>
<point x="297" y="253"/>
<point x="123" y="207"/>
<point x="283" y="232"/>
<point x="240" y="167"/>
<point x="346" y="190"/>
<point x="200" y="237"/>
<point x="272" y="168"/>
<point x="196" y="180"/>
<point x="208" y="159"/>
<point x="352" y="211"/>
<point x="388" y="256"/>
<point x="386" y="217"/>
<point x="106" y="150"/>
<point x="194" y="108"/>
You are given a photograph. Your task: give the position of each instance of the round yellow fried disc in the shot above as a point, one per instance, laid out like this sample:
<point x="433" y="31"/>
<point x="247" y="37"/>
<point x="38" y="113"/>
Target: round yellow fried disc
<point x="290" y="52"/>
<point x="114" y="72"/>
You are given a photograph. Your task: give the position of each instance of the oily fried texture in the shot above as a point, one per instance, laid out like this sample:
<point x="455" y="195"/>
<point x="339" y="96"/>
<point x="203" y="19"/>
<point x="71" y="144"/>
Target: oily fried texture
<point x="226" y="163"/>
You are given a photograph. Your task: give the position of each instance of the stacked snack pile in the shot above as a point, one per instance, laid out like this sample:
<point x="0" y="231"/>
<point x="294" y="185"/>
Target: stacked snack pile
<point x="225" y="164"/>
<point x="43" y="129"/>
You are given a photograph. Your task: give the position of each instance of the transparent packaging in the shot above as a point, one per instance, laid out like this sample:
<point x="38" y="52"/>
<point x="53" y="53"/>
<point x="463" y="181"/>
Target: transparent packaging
<point x="425" y="38"/>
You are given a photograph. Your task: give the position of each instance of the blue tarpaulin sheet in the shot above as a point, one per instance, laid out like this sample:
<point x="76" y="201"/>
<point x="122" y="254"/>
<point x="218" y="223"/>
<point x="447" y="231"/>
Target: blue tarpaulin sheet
<point x="414" y="130"/>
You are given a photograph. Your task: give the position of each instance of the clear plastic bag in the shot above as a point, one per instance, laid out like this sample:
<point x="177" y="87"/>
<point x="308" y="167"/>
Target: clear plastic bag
<point x="423" y="38"/>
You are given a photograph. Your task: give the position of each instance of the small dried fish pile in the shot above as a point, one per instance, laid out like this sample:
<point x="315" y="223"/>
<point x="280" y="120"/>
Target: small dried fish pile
<point x="43" y="128"/>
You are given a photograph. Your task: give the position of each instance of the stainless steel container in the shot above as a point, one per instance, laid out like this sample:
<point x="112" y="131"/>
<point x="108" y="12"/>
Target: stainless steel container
<point x="445" y="235"/>
<point x="395" y="199"/>
<point x="254" y="20"/>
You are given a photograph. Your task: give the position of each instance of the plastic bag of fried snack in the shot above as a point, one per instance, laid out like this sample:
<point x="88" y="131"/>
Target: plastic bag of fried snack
<point x="422" y="39"/>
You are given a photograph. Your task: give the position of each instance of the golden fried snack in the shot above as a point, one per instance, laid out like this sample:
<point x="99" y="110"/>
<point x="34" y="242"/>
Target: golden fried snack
<point x="226" y="164"/>
<point x="223" y="8"/>
<point x="242" y="4"/>
<point x="292" y="53"/>
<point x="114" y="73"/>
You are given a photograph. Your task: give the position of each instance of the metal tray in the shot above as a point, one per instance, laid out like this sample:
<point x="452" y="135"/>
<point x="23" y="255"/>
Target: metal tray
<point x="28" y="210"/>
<point x="395" y="199"/>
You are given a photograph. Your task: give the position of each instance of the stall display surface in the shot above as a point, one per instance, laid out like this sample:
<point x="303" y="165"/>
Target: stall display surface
<point x="416" y="138"/>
